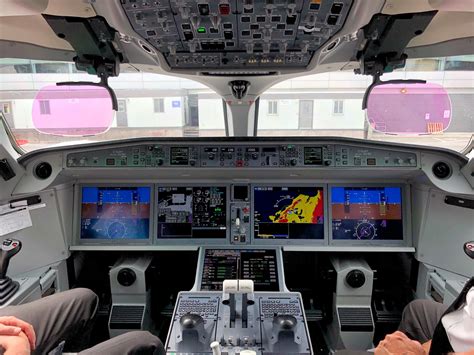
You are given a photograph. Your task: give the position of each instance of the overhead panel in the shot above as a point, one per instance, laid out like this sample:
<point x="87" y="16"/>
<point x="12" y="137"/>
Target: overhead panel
<point x="237" y="34"/>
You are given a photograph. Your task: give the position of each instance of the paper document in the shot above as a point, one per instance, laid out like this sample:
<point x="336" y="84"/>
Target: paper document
<point x="14" y="219"/>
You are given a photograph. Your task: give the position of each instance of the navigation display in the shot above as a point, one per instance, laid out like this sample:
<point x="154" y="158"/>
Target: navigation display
<point x="288" y="212"/>
<point x="253" y="264"/>
<point x="115" y="212"/>
<point x="192" y="212"/>
<point x="367" y="213"/>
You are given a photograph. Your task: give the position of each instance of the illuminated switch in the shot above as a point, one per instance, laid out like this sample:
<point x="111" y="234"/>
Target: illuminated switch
<point x="224" y="9"/>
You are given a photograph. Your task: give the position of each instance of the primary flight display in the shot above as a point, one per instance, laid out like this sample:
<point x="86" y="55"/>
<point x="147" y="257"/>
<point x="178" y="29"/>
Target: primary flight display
<point x="367" y="213"/>
<point x="115" y="212"/>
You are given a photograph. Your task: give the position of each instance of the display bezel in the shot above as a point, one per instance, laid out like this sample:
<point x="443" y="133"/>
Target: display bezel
<point x="312" y="242"/>
<point x="406" y="223"/>
<point x="279" y="263"/>
<point x="78" y="208"/>
<point x="192" y="241"/>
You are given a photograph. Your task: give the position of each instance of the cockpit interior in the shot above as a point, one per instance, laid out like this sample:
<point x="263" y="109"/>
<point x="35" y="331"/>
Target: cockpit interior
<point x="237" y="177"/>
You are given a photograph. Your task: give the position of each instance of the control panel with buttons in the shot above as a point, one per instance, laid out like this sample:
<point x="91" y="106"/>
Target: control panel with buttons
<point x="246" y="323"/>
<point x="242" y="156"/>
<point x="236" y="34"/>
<point x="240" y="217"/>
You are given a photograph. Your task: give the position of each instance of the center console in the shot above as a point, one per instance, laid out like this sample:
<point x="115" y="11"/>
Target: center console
<point x="269" y="323"/>
<point x="239" y="305"/>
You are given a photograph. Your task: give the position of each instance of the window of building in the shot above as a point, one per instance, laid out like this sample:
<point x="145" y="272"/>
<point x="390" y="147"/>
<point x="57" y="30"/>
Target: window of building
<point x="158" y="105"/>
<point x="44" y="107"/>
<point x="121" y="106"/>
<point x="52" y="68"/>
<point x="6" y="108"/>
<point x="338" y="107"/>
<point x="273" y="107"/>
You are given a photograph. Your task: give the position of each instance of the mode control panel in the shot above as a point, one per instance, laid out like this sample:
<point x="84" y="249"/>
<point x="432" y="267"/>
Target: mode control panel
<point x="241" y="156"/>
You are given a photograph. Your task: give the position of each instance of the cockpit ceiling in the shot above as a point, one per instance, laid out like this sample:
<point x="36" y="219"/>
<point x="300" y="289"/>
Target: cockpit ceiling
<point x="317" y="22"/>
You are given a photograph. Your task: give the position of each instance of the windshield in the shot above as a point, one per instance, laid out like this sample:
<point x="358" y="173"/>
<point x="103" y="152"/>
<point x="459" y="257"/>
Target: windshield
<point x="329" y="104"/>
<point x="152" y="105"/>
<point x="149" y="105"/>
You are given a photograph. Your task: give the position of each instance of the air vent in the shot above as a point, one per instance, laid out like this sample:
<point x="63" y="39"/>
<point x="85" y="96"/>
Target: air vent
<point x="442" y="170"/>
<point x="126" y="317"/>
<point x="239" y="73"/>
<point x="355" y="319"/>
<point x="43" y="170"/>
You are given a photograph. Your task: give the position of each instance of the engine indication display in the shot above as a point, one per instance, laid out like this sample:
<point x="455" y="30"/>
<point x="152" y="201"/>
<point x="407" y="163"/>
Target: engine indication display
<point x="258" y="265"/>
<point x="115" y="212"/>
<point x="288" y="212"/>
<point x="192" y="212"/>
<point x="367" y="213"/>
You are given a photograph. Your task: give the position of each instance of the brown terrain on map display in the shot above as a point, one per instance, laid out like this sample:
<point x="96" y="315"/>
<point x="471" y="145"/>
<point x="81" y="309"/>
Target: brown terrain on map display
<point x="369" y="211"/>
<point x="116" y="210"/>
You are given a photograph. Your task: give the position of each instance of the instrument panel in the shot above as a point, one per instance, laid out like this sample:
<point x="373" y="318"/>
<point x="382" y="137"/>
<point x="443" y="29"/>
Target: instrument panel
<point x="244" y="156"/>
<point x="243" y="214"/>
<point x="234" y="34"/>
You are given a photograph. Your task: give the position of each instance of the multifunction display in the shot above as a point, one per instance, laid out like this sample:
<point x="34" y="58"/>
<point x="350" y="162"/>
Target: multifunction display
<point x="367" y="213"/>
<point x="192" y="212"/>
<point x="258" y="265"/>
<point x="288" y="212"/>
<point x="115" y="212"/>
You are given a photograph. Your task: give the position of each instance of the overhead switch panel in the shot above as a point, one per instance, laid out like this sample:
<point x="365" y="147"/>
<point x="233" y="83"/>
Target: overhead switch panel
<point x="236" y="34"/>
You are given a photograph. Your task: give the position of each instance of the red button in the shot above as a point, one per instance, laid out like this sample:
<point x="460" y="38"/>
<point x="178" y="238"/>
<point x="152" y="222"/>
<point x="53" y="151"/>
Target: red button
<point x="15" y="244"/>
<point x="224" y="9"/>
